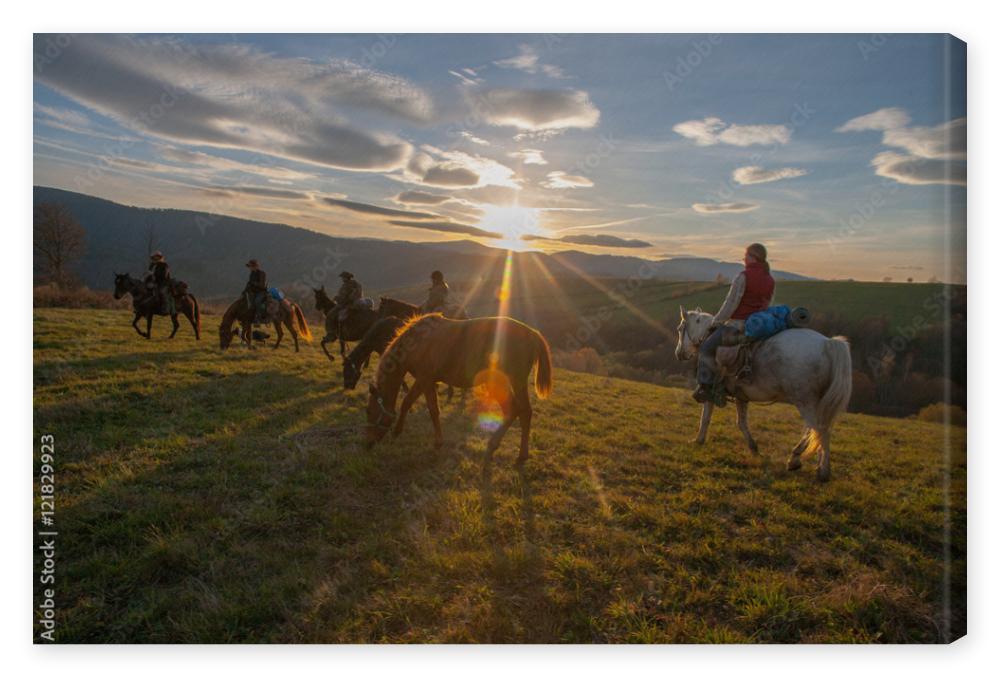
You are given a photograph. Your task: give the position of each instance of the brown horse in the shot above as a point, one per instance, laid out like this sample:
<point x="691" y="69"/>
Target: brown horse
<point x="144" y="305"/>
<point x="496" y="353"/>
<point x="288" y="314"/>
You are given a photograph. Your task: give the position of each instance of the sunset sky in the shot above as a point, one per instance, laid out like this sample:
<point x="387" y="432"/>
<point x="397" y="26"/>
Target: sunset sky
<point x="844" y="154"/>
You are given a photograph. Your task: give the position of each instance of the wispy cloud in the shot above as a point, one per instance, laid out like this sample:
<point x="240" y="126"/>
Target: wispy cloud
<point x="714" y="131"/>
<point x="930" y="154"/>
<point x="448" y="227"/>
<point x="597" y="240"/>
<point x="539" y="110"/>
<point x="724" y="207"/>
<point x="751" y="175"/>
<point x="365" y="208"/>
<point x="528" y="60"/>
<point x="529" y="156"/>
<point x="556" y="180"/>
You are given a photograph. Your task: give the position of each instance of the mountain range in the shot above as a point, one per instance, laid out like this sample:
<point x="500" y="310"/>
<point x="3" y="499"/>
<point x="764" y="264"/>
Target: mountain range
<point x="209" y="251"/>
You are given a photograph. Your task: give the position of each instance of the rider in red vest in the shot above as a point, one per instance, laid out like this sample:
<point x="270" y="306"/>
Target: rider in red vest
<point x="751" y="291"/>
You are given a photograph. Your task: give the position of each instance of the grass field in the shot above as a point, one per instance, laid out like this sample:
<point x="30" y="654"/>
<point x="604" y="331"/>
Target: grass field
<point x="223" y="497"/>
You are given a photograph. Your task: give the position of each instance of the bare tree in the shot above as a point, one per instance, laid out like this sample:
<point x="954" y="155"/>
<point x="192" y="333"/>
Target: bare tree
<point x="59" y="241"/>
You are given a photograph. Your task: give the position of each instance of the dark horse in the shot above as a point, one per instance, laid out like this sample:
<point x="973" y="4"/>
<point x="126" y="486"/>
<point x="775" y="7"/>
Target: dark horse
<point x="144" y="304"/>
<point x="404" y="310"/>
<point x="496" y="353"/>
<point x="376" y="339"/>
<point x="357" y="324"/>
<point x="288" y="313"/>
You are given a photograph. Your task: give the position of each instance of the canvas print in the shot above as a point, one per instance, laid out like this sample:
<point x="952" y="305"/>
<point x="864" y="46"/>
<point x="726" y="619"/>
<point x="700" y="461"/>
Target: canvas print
<point x="483" y="338"/>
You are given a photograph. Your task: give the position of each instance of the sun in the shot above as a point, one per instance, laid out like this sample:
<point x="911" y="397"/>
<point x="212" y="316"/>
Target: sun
<point x="512" y="222"/>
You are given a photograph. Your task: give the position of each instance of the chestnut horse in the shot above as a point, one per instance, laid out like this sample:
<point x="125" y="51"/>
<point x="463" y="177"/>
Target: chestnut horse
<point x="288" y="314"/>
<point x="497" y="352"/>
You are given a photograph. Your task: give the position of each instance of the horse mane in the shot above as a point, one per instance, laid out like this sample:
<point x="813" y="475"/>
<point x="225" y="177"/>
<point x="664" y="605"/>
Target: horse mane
<point x="413" y="322"/>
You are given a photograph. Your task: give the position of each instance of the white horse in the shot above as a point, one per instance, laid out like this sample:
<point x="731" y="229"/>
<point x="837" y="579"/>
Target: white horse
<point x="798" y="366"/>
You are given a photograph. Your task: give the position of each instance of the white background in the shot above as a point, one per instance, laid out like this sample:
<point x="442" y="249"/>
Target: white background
<point x="966" y="660"/>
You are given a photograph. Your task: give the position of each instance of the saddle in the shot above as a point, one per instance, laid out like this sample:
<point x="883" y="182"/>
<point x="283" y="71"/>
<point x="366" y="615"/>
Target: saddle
<point x="735" y="364"/>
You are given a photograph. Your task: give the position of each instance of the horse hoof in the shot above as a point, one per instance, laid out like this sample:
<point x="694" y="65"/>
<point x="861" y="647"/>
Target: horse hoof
<point x="793" y="465"/>
<point x="823" y="475"/>
<point x="697" y="441"/>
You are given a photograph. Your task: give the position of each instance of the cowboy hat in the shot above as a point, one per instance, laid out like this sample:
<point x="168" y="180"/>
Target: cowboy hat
<point x="156" y="256"/>
<point x="346" y="274"/>
<point x="253" y="264"/>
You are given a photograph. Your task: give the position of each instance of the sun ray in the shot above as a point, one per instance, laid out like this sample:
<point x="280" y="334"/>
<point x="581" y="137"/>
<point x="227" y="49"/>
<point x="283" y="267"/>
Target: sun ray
<point x="616" y="297"/>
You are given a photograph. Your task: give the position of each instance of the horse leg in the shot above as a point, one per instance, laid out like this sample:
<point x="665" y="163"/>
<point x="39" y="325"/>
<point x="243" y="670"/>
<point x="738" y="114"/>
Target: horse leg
<point x="430" y="393"/>
<point x="451" y="393"/>
<point x="706" y="418"/>
<point x="741" y="421"/>
<point x="497" y="436"/>
<point x="326" y="351"/>
<point x="135" y="321"/>
<point x="279" y="334"/>
<point x="149" y="326"/>
<point x="823" y="465"/>
<point x="404" y="408"/>
<point x="189" y="315"/>
<point x="173" y="320"/>
<point x="794" y="462"/>
<point x="293" y="330"/>
<point x="524" y="406"/>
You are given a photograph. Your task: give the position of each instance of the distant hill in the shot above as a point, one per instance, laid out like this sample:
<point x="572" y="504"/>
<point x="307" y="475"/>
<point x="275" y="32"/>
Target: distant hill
<point x="209" y="250"/>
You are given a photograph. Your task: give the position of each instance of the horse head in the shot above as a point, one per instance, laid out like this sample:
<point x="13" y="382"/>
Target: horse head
<point x="122" y="283"/>
<point x="322" y="298"/>
<point x="380" y="418"/>
<point x="691" y="332"/>
<point x="226" y="334"/>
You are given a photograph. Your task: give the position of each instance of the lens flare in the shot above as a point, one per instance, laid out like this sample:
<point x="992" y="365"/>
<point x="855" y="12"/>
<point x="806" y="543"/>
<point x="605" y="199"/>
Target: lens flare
<point x="493" y="396"/>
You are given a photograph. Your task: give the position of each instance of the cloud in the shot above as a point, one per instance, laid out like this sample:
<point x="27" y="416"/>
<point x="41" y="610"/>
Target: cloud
<point x="276" y="193"/>
<point x="560" y="179"/>
<point x="419" y="197"/>
<point x="453" y="169"/>
<point x="224" y="164"/>
<point x="527" y="60"/>
<point x="918" y="171"/>
<point x="930" y="154"/>
<point x="529" y="156"/>
<point x="751" y="175"/>
<point x="879" y="120"/>
<point x="474" y="139"/>
<point x="598" y="240"/>
<point x="228" y="95"/>
<point x="538" y="110"/>
<point x="713" y="131"/>
<point x="724" y="207"/>
<point x="448" y="227"/>
<point x="365" y="208"/>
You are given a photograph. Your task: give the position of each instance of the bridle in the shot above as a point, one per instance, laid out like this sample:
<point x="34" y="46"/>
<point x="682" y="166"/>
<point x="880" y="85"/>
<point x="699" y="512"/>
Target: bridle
<point x="684" y="333"/>
<point x="383" y="413"/>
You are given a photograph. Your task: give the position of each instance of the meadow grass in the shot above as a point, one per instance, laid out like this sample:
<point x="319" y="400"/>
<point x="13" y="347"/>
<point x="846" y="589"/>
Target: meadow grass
<point x="205" y="496"/>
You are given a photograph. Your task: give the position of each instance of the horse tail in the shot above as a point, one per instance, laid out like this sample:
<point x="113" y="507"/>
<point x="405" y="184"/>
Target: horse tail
<point x="543" y="375"/>
<point x="837" y="393"/>
<point x="300" y="321"/>
<point x="196" y="313"/>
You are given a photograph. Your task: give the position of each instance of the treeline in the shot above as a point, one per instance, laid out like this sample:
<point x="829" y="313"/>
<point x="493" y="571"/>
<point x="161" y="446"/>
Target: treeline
<point x="898" y="369"/>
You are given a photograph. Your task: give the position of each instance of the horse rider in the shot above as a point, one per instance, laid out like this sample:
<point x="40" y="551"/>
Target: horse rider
<point x="255" y="291"/>
<point x="348" y="297"/>
<point x="437" y="294"/>
<point x="751" y="291"/>
<point x="158" y="283"/>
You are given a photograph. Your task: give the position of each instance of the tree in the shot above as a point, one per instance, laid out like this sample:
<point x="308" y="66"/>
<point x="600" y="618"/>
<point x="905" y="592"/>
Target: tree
<point x="59" y="242"/>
